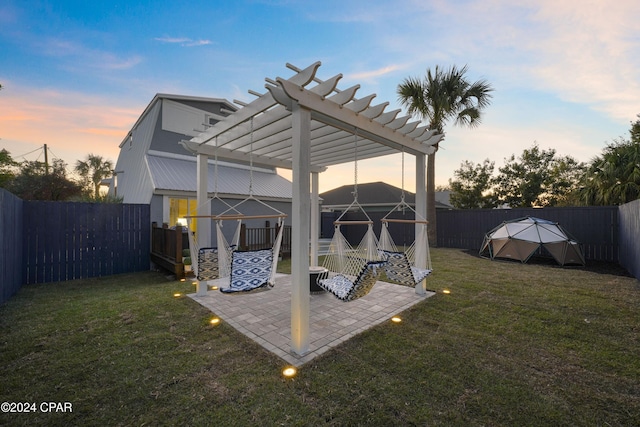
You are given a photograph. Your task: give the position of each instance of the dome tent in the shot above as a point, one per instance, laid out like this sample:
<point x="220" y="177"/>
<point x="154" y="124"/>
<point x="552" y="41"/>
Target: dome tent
<point x="520" y="238"/>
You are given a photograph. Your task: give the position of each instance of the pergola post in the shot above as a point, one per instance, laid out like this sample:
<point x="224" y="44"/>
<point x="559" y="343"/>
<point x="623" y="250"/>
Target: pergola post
<point x="300" y="229"/>
<point x="421" y="210"/>
<point x="203" y="234"/>
<point x="315" y="217"/>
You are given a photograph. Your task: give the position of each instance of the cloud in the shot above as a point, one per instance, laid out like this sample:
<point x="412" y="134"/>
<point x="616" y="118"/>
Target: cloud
<point x="368" y="75"/>
<point x="83" y="57"/>
<point x="581" y="52"/>
<point x="183" y="41"/>
<point x="591" y="54"/>
<point x="72" y="124"/>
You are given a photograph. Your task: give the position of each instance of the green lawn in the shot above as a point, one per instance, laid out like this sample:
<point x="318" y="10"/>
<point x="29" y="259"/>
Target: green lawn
<point x="512" y="345"/>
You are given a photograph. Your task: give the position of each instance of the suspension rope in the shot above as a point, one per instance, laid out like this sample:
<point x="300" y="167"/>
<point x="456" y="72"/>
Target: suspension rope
<point x="355" y="178"/>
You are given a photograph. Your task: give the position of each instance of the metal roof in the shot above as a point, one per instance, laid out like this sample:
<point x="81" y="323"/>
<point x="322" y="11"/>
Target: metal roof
<point x="179" y="174"/>
<point x="343" y="128"/>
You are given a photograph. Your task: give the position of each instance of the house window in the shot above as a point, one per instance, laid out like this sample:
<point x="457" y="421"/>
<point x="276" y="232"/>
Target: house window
<point x="179" y="208"/>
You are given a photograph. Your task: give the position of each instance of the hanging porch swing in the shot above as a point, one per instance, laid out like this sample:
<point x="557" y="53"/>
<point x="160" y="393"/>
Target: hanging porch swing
<point x="411" y="265"/>
<point x="248" y="270"/>
<point x="351" y="272"/>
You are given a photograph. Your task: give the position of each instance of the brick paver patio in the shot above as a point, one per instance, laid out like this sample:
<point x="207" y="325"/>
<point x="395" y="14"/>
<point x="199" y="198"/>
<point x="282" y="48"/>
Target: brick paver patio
<point x="265" y="317"/>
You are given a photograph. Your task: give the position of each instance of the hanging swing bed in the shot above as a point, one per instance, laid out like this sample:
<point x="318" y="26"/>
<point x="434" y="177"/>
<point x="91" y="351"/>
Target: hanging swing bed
<point x="351" y="272"/>
<point x="411" y="265"/>
<point x="248" y="270"/>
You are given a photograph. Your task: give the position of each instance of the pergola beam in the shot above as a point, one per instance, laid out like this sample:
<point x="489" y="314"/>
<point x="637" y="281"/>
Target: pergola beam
<point x="223" y="153"/>
<point x="331" y="113"/>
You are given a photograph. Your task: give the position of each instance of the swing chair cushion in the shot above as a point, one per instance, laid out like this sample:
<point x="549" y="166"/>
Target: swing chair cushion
<point x="208" y="264"/>
<point x="250" y="270"/>
<point x="346" y="290"/>
<point x="399" y="269"/>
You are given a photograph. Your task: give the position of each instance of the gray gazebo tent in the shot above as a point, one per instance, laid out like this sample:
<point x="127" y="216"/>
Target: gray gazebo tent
<point x="306" y="124"/>
<point x="519" y="239"/>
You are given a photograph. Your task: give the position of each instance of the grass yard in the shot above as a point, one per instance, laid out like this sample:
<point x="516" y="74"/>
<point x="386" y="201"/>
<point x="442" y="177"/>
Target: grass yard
<point x="511" y="345"/>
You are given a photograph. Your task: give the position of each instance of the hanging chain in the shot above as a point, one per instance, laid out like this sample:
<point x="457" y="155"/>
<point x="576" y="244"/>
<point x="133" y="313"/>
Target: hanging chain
<point x="402" y="195"/>
<point x="251" y="159"/>
<point x="215" y="167"/>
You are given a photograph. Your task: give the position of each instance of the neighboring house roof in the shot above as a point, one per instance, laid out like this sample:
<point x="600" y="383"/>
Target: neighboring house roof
<point x="370" y="194"/>
<point x="171" y="174"/>
<point x="373" y="193"/>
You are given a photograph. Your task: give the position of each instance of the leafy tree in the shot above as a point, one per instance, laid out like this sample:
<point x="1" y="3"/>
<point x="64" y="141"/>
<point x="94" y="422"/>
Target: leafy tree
<point x="537" y="178"/>
<point x="92" y="171"/>
<point x="37" y="181"/>
<point x="472" y="186"/>
<point x="565" y="176"/>
<point x="8" y="167"/>
<point x="613" y="178"/>
<point x="442" y="96"/>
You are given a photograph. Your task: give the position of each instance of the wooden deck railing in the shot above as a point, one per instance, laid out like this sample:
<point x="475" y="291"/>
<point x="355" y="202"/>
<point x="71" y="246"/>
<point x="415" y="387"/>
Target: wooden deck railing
<point x="167" y="244"/>
<point x="264" y="237"/>
<point x="166" y="248"/>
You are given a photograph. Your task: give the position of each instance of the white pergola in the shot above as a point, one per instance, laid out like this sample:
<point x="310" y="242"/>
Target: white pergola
<point x="306" y="124"/>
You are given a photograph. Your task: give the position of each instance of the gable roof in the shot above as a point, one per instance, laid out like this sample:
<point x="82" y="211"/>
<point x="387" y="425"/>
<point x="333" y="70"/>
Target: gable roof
<point x="370" y="194"/>
<point x="179" y="98"/>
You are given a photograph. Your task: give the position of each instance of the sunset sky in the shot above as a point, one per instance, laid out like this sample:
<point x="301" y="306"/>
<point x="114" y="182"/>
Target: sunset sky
<point x="76" y="74"/>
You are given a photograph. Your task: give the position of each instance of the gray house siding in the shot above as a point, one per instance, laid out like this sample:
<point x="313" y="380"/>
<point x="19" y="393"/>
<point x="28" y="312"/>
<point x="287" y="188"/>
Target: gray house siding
<point x="166" y="141"/>
<point x="153" y="166"/>
<point x="134" y="183"/>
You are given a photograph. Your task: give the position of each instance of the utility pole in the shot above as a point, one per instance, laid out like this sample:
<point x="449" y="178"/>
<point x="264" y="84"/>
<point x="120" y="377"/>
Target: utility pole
<point x="46" y="160"/>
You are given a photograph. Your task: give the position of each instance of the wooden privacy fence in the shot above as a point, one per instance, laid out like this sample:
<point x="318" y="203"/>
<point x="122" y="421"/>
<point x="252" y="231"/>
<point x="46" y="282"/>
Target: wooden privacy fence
<point x="10" y="244"/>
<point x="69" y="240"/>
<point x="56" y="241"/>
<point x="596" y="227"/>
<point x="629" y="218"/>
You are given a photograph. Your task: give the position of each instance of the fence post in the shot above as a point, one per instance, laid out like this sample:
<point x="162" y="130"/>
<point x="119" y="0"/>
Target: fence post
<point x="178" y="252"/>
<point x="243" y="236"/>
<point x="178" y="243"/>
<point x="267" y="233"/>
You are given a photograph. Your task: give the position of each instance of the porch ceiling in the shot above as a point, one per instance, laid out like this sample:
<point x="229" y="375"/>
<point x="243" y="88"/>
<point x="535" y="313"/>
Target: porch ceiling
<point x="342" y="126"/>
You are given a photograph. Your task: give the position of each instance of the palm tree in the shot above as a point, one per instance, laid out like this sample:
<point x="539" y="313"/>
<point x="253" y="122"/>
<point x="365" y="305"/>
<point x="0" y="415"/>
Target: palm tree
<point x="614" y="177"/>
<point x="442" y="96"/>
<point x="93" y="170"/>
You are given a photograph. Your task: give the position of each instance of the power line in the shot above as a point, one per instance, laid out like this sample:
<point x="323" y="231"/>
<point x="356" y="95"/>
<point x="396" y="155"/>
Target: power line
<point x="41" y="149"/>
<point x="53" y="156"/>
<point x="26" y="154"/>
